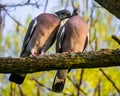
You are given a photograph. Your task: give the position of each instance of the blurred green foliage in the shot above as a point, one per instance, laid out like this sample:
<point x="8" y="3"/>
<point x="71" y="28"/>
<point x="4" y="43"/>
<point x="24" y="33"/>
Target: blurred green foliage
<point x="102" y="25"/>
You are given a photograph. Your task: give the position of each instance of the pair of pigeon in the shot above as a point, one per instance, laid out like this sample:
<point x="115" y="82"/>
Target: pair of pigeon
<point x="43" y="31"/>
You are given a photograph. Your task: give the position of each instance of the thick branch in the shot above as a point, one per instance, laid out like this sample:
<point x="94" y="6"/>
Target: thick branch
<point x="116" y="39"/>
<point x="101" y="58"/>
<point x="113" y="6"/>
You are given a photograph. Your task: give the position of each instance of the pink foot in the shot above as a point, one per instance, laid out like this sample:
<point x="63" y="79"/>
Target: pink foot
<point x="40" y="54"/>
<point x="65" y="52"/>
<point x="33" y="55"/>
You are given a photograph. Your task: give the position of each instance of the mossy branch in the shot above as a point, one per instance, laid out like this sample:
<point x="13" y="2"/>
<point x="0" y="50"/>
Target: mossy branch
<point x="113" y="6"/>
<point x="93" y="59"/>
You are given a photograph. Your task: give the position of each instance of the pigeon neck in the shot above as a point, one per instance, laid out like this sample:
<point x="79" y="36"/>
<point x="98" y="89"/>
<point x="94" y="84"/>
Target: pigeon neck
<point x="74" y="15"/>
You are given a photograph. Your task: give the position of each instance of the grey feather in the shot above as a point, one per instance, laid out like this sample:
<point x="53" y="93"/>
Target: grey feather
<point x="60" y="37"/>
<point x="28" y="35"/>
<point x="86" y="42"/>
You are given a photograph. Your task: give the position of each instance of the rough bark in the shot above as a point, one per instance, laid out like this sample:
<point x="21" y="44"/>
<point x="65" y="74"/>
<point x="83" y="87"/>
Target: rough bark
<point x="113" y="6"/>
<point x="101" y="58"/>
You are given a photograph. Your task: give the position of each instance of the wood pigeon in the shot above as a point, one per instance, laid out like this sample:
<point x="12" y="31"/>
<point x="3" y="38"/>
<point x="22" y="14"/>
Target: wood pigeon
<point x="40" y="36"/>
<point x="73" y="37"/>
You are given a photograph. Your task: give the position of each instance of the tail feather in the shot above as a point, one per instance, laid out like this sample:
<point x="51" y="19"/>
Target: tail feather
<point x="59" y="81"/>
<point x="17" y="78"/>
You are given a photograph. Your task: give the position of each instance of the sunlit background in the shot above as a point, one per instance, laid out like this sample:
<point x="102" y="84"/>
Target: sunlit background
<point x="15" y="19"/>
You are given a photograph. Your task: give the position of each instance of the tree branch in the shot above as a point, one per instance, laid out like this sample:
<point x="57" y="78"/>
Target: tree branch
<point x="113" y="6"/>
<point x="40" y="84"/>
<point x="76" y="86"/>
<point x="109" y="79"/>
<point x="101" y="58"/>
<point x="116" y="39"/>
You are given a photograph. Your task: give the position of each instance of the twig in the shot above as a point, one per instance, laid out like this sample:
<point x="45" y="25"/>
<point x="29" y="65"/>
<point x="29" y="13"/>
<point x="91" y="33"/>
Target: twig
<point x="47" y="87"/>
<point x="67" y="1"/>
<point x="13" y="18"/>
<point x="27" y="3"/>
<point x="116" y="39"/>
<point x="80" y="81"/>
<point x="90" y="20"/>
<point x="45" y="6"/>
<point x="12" y="90"/>
<point x="38" y="90"/>
<point x="76" y="86"/>
<point x="111" y="81"/>
<point x="6" y="7"/>
<point x="20" y="89"/>
<point x="81" y="77"/>
<point x="1" y="22"/>
<point x="97" y="88"/>
<point x="41" y="84"/>
<point x="97" y="6"/>
<point x="96" y="40"/>
<point x="62" y="2"/>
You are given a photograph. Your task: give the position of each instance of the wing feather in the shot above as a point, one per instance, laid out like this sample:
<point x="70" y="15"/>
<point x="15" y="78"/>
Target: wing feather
<point x="86" y="42"/>
<point x="60" y="37"/>
<point x="29" y="34"/>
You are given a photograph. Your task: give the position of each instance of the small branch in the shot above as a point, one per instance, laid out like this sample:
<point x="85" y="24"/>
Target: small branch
<point x="27" y="3"/>
<point x="1" y="24"/>
<point x="40" y="84"/>
<point x="38" y="90"/>
<point x="21" y="91"/>
<point x="80" y="81"/>
<point x="76" y="86"/>
<point x="116" y="39"/>
<point x="12" y="89"/>
<point x="45" y="6"/>
<point x="111" y="81"/>
<point x="5" y="7"/>
<point x="81" y="77"/>
<point x="67" y="2"/>
<point x="97" y="88"/>
<point x="13" y="18"/>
